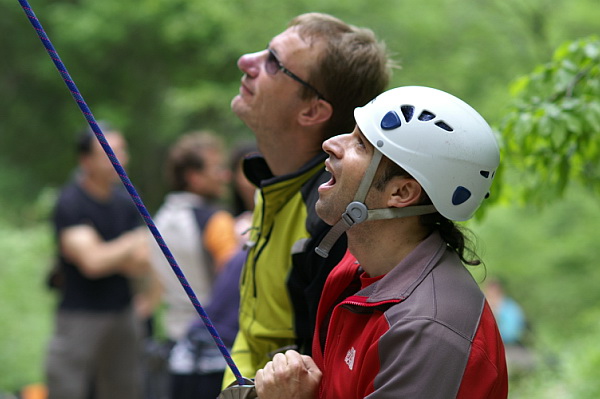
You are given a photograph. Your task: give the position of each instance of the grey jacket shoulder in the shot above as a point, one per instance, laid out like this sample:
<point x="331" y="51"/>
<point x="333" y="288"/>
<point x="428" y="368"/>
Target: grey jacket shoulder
<point x="431" y="330"/>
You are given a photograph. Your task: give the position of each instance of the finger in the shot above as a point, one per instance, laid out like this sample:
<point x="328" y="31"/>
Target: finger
<point x="310" y="364"/>
<point x="268" y="367"/>
<point x="265" y="375"/>
<point x="292" y="354"/>
<point x="258" y="378"/>
<point x="294" y="359"/>
<point x="279" y="358"/>
<point x="279" y="362"/>
<point x="259" y="382"/>
<point x="308" y="361"/>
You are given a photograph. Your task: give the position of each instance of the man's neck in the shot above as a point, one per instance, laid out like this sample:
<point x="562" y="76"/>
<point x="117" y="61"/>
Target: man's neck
<point x="98" y="189"/>
<point x="286" y="148"/>
<point x="288" y="158"/>
<point x="381" y="245"/>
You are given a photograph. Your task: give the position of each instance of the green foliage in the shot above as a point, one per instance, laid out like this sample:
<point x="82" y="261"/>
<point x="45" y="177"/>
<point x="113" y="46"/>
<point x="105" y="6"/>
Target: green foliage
<point x="26" y="304"/>
<point x="552" y="132"/>
<point x="548" y="261"/>
<point x="571" y="371"/>
<point x="548" y="257"/>
<point x="157" y="68"/>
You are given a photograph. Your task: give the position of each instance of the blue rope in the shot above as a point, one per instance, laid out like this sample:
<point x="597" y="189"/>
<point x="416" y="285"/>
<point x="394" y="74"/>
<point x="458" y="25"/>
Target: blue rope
<point x="129" y="186"/>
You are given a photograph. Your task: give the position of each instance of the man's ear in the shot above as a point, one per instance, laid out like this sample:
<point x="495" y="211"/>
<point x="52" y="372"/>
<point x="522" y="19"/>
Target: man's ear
<point x="403" y="191"/>
<point x="317" y="111"/>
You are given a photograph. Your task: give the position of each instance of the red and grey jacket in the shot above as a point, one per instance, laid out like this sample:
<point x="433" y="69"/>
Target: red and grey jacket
<point x="424" y="330"/>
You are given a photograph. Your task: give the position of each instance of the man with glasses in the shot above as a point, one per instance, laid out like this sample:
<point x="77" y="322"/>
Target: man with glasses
<point x="294" y="95"/>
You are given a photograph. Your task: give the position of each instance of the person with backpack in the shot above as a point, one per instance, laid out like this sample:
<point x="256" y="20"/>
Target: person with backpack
<point x="196" y="363"/>
<point x="200" y="235"/>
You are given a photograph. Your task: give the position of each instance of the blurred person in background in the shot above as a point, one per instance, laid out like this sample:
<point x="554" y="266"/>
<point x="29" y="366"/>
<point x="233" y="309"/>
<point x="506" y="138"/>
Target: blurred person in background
<point x="200" y="234"/>
<point x="95" y="349"/>
<point x="513" y="327"/>
<point x="195" y="359"/>
<point x="508" y="313"/>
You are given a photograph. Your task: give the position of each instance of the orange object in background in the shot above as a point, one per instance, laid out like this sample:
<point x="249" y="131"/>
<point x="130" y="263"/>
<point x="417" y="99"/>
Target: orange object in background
<point x="34" y="391"/>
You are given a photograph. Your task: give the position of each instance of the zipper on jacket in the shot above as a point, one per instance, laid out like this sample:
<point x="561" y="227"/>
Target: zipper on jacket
<point x="258" y="252"/>
<point x="347" y="305"/>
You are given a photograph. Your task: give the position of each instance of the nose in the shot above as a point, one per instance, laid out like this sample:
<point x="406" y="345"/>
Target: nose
<point x="251" y="63"/>
<point x="333" y="146"/>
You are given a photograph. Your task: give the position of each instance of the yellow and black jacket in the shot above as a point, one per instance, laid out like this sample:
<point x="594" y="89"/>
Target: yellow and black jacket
<point x="283" y="277"/>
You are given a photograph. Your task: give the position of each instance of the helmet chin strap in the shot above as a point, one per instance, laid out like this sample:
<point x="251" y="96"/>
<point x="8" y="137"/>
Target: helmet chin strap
<point x="357" y="212"/>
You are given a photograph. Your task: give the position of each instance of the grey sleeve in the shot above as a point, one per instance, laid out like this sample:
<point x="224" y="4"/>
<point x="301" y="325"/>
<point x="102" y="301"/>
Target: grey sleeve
<point x="420" y="358"/>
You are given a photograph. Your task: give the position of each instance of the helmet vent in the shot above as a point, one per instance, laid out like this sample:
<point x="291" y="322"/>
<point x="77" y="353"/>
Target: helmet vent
<point x="390" y="121"/>
<point x="461" y="195"/>
<point x="444" y="126"/>
<point x="426" y="116"/>
<point x="408" y="111"/>
<point x="484" y="173"/>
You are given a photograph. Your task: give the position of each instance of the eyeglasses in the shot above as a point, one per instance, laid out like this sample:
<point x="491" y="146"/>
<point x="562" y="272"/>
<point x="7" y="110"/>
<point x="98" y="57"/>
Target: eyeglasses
<point x="273" y="65"/>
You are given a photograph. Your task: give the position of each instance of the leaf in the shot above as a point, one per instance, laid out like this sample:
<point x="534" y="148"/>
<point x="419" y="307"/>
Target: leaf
<point x="555" y="117"/>
<point x="592" y="50"/>
<point x="573" y="124"/>
<point x="519" y="85"/>
<point x="592" y="117"/>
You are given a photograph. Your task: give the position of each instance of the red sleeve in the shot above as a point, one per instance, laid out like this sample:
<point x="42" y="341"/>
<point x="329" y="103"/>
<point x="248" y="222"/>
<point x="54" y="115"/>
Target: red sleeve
<point x="486" y="375"/>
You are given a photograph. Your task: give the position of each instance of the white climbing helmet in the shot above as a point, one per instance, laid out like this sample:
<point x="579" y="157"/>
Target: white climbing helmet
<point x="437" y="138"/>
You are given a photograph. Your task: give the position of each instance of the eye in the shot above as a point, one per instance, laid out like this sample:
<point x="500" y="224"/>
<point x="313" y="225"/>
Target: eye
<point x="272" y="65"/>
<point x="360" y="142"/>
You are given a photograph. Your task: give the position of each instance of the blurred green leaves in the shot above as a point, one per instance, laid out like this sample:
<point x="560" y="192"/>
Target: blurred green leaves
<point x="552" y="132"/>
<point x="157" y="68"/>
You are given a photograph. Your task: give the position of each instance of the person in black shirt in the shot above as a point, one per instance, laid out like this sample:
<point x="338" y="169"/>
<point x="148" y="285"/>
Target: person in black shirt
<point x="95" y="346"/>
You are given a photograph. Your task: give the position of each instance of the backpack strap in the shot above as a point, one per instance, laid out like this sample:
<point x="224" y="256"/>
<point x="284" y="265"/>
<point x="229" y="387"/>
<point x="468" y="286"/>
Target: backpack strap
<point x="203" y="215"/>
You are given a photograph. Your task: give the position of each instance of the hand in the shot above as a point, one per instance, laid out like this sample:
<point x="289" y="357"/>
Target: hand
<point x="290" y="376"/>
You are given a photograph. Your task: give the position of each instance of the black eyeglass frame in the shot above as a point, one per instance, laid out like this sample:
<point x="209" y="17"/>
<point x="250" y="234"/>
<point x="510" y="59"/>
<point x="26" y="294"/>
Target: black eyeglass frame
<point x="272" y="58"/>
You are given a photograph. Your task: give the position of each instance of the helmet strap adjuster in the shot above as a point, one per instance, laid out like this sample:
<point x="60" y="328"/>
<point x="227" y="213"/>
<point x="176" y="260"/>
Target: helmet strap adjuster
<point x="356" y="212"/>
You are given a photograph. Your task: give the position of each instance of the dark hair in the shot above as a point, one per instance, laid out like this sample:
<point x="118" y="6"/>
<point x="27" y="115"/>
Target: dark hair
<point x="459" y="239"/>
<point x="352" y="69"/>
<point x="187" y="154"/>
<point x="86" y="137"/>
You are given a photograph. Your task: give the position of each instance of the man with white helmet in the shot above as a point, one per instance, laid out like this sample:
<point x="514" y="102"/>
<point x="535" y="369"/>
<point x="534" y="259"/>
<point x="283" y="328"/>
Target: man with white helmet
<point x="400" y="316"/>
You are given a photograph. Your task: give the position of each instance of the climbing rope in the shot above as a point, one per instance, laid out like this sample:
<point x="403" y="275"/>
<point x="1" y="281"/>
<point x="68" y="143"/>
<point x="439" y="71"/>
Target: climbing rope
<point x="129" y="186"/>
